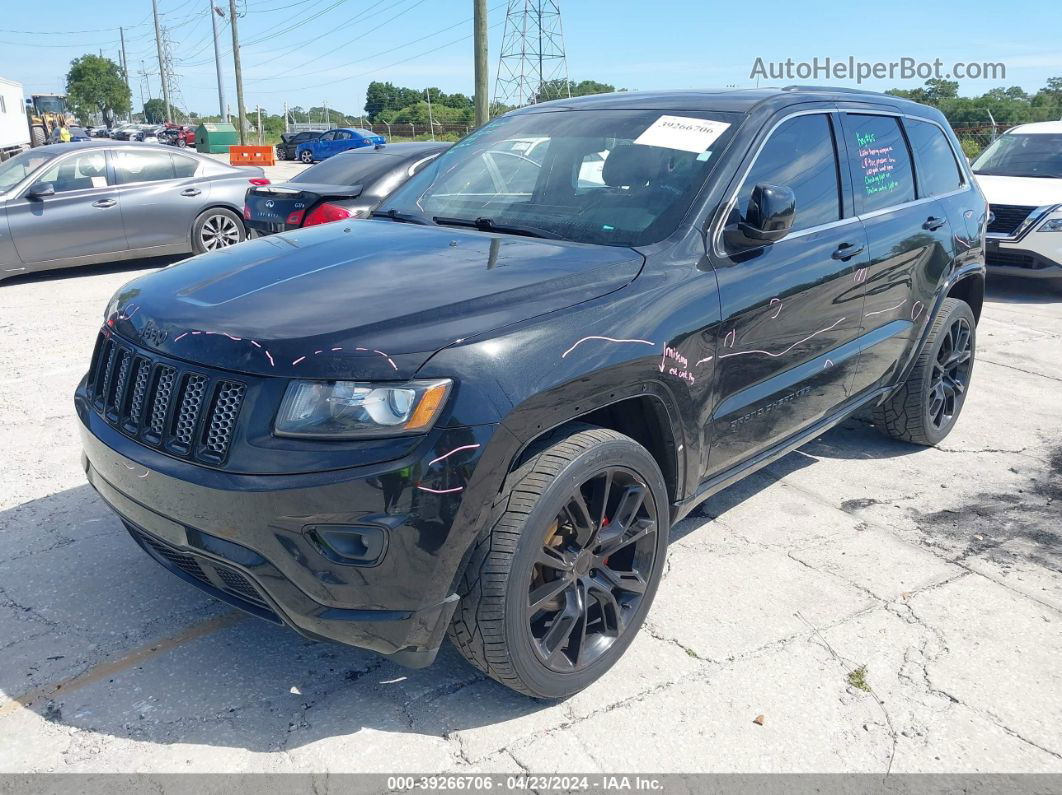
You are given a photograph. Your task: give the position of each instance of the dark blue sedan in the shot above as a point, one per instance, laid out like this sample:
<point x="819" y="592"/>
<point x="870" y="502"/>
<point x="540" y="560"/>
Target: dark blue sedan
<point x="335" y="141"/>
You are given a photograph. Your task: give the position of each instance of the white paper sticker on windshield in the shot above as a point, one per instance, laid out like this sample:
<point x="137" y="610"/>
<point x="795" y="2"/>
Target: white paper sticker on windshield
<point x="99" y="182"/>
<point x="683" y="133"/>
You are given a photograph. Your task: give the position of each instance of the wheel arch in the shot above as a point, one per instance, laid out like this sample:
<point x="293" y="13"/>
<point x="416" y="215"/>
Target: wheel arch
<point x="971" y="289"/>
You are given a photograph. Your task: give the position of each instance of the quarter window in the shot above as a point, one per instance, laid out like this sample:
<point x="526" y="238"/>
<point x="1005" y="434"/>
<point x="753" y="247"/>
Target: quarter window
<point x="800" y="154"/>
<point x="938" y="171"/>
<point x="132" y="167"/>
<point x="184" y="166"/>
<point x="78" y="173"/>
<point x="881" y="163"/>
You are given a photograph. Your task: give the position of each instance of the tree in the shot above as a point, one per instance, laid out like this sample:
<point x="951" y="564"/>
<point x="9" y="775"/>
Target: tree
<point x="154" y="111"/>
<point x="555" y="89"/>
<point x="95" y="85"/>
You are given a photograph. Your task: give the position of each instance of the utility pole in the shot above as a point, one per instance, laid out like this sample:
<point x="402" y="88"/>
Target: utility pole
<point x="479" y="27"/>
<point x="214" y="14"/>
<point x="125" y="72"/>
<point x="259" y="124"/>
<point x="162" y="61"/>
<point x="431" y="122"/>
<point x="239" y="71"/>
<point x="143" y="79"/>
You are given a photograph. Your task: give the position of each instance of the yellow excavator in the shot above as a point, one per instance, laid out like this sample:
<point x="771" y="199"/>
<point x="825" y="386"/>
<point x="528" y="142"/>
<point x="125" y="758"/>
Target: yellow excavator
<point x="46" y="112"/>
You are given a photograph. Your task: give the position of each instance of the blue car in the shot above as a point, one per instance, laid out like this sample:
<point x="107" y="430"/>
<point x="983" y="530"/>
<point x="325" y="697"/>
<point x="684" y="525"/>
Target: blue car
<point x="335" y="141"/>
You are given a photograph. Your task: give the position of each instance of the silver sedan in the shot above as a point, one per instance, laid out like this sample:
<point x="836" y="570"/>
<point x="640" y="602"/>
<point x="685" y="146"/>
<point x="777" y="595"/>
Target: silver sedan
<point x="103" y="201"/>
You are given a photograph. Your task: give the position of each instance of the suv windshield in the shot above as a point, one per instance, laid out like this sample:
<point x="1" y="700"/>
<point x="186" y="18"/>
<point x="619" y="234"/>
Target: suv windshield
<point x="1023" y="155"/>
<point x="21" y="166"/>
<point x="614" y="177"/>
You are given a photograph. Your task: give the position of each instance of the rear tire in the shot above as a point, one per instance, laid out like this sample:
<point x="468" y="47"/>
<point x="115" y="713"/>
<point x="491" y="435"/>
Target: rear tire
<point x="924" y="410"/>
<point x="215" y="229"/>
<point x="38" y="136"/>
<point x="550" y="601"/>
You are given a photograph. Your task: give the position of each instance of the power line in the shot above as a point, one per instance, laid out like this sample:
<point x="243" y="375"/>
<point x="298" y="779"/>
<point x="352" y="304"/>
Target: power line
<point x="338" y="47"/>
<point x="374" y="55"/>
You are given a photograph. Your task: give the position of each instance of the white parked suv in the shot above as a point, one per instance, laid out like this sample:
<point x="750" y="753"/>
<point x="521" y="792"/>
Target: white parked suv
<point x="1021" y="176"/>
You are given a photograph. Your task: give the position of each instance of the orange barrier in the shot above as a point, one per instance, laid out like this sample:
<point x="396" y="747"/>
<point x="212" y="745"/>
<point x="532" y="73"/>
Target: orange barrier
<point x="252" y="156"/>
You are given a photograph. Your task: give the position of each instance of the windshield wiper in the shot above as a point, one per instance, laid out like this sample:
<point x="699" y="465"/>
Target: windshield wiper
<point x="488" y="225"/>
<point x="405" y="218"/>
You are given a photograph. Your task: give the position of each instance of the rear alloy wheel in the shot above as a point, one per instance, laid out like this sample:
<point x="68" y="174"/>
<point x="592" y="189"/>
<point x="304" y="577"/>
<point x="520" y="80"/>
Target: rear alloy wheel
<point x="306" y="156"/>
<point x="925" y="408"/>
<point x="216" y="229"/>
<point x="558" y="584"/>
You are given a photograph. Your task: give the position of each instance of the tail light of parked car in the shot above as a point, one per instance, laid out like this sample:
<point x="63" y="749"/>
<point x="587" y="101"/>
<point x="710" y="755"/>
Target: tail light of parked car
<point x="258" y="181"/>
<point x="326" y="213"/>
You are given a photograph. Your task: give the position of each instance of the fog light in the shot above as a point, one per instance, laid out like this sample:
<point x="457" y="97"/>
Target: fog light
<point x="355" y="545"/>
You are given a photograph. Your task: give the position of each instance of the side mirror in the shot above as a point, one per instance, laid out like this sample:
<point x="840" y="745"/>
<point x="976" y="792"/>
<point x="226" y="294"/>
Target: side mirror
<point x="40" y="190"/>
<point x="768" y="219"/>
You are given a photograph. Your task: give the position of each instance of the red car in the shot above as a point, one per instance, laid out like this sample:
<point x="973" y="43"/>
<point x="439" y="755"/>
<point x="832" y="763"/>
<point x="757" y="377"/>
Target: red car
<point x="178" y="135"/>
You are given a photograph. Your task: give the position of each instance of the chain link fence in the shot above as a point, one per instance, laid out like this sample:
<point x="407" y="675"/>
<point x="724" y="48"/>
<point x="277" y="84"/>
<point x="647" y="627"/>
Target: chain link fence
<point x="975" y="139"/>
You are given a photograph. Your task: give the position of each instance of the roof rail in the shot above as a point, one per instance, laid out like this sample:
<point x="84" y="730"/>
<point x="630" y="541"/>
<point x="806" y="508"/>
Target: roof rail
<point x="834" y="89"/>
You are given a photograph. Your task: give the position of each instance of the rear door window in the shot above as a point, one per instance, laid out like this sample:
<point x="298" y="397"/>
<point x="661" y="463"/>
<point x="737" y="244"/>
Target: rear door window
<point x="938" y="171"/>
<point x="130" y="167"/>
<point x="801" y="155"/>
<point x="881" y="163"/>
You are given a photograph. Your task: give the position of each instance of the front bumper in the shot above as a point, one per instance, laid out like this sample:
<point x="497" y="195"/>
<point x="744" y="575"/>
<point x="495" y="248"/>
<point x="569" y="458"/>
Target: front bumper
<point x="1037" y="255"/>
<point x="254" y="541"/>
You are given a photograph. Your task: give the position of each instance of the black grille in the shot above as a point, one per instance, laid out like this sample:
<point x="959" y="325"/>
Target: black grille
<point x="1013" y="259"/>
<point x="184" y="411"/>
<point x="212" y="573"/>
<point x="1008" y="217"/>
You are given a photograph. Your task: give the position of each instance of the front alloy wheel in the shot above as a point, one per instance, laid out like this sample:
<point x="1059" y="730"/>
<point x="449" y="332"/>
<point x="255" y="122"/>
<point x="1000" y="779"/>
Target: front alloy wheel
<point x="560" y="579"/>
<point x="592" y="571"/>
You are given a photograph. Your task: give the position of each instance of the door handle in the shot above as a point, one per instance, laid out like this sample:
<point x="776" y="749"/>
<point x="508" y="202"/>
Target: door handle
<point x="104" y="203"/>
<point x="933" y="223"/>
<point x="846" y="251"/>
<point x="191" y="192"/>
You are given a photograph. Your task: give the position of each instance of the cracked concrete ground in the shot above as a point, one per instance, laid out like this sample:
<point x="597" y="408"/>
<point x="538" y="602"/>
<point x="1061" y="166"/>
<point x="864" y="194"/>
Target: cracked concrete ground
<point x="937" y="572"/>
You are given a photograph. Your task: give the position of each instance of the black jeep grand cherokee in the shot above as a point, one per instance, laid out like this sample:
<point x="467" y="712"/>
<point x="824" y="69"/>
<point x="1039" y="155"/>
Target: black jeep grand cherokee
<point x="479" y="414"/>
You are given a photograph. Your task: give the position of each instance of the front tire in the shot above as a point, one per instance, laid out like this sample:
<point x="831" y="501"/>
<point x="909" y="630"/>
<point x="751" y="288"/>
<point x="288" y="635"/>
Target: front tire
<point x="216" y="229"/>
<point x="561" y="579"/>
<point x="924" y="410"/>
<point x="306" y="156"/>
<point x="282" y="153"/>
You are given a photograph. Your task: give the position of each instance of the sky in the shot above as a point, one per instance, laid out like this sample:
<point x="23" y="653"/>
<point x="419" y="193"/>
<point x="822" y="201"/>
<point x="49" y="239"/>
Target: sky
<point x="312" y="52"/>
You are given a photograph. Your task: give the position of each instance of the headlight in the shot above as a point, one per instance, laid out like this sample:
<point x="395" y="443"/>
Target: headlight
<point x="1051" y="225"/>
<point x="355" y="409"/>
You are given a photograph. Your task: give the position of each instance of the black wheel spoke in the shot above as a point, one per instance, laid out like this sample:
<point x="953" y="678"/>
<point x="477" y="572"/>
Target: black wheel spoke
<point x="556" y="638"/>
<point x="629" y="505"/>
<point x="621" y="539"/>
<point x="545" y="593"/>
<point x="630" y="581"/>
<point x="554" y="559"/>
<point x="609" y="606"/>
<point x="579" y="516"/>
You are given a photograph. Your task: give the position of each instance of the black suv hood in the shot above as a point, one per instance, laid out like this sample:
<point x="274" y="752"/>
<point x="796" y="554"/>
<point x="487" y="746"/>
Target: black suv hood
<point x="367" y="299"/>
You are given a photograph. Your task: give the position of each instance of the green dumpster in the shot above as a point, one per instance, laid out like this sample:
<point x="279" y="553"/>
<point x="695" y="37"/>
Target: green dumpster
<point x="214" y="138"/>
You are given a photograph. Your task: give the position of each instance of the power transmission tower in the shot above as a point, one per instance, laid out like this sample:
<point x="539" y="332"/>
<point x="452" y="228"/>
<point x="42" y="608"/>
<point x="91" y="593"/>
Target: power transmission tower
<point x="162" y="58"/>
<point x="532" y="67"/>
<point x="172" y="84"/>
